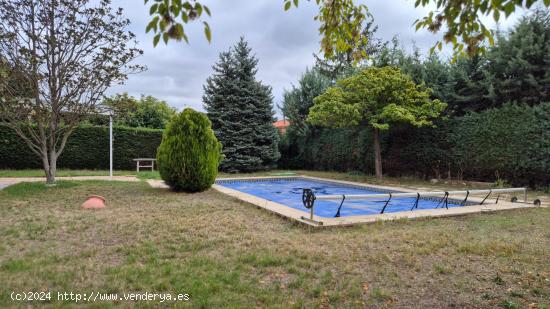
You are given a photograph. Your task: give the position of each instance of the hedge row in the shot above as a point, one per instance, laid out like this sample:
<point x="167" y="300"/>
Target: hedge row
<point x="511" y="143"/>
<point x="347" y="149"/>
<point x="87" y="148"/>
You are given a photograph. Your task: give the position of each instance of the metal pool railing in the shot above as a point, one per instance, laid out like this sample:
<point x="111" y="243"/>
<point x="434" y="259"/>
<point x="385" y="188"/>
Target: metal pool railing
<point x="309" y="197"/>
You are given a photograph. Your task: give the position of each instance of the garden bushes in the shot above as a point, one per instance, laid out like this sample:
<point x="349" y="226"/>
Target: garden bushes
<point x="511" y="143"/>
<point x="87" y="148"/>
<point x="341" y="149"/>
<point x="189" y="154"/>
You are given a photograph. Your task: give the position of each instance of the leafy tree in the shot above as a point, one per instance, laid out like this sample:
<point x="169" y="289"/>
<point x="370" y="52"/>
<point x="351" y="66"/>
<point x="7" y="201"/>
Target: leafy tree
<point x="241" y="111"/>
<point x="341" y="22"/>
<point x="151" y="113"/>
<point x="166" y="15"/>
<point x="189" y="154"/>
<point x="344" y="63"/>
<point x="148" y="111"/>
<point x="122" y="106"/>
<point x="69" y="53"/>
<point x="376" y="97"/>
<point x="474" y="89"/>
<point x="462" y="22"/>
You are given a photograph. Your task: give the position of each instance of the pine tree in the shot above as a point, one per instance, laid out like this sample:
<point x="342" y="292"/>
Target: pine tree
<point x="241" y="111"/>
<point x="469" y="86"/>
<point x="520" y="61"/>
<point x="298" y="100"/>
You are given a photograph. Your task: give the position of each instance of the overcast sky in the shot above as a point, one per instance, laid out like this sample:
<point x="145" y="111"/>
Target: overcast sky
<point x="284" y="43"/>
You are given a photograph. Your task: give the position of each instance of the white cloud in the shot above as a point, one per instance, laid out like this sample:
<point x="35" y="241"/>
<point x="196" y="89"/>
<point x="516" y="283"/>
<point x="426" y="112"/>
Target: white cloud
<point x="284" y="43"/>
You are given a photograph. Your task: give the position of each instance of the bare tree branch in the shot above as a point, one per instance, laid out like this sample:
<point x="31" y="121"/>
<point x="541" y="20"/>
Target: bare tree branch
<point x="57" y="58"/>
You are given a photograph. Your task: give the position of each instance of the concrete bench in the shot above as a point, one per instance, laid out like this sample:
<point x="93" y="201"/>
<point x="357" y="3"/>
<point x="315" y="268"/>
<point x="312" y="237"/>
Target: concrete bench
<point x="141" y="161"/>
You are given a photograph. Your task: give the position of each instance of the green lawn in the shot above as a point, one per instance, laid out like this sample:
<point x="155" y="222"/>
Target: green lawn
<point x="359" y="177"/>
<point x="62" y="173"/>
<point x="227" y="253"/>
<point x="142" y="174"/>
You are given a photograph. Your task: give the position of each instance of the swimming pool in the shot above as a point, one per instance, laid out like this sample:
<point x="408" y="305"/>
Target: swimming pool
<point x="288" y="191"/>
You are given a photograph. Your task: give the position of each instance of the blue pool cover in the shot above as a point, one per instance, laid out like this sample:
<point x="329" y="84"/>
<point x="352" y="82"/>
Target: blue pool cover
<point x="289" y="192"/>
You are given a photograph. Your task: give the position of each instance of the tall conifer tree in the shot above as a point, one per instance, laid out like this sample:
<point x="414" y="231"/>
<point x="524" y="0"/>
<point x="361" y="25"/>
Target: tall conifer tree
<point x="241" y="111"/>
<point x="520" y="61"/>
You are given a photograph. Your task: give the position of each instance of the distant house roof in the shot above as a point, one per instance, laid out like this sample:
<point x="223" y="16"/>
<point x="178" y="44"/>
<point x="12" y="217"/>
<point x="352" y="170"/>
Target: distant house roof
<point x="279" y="124"/>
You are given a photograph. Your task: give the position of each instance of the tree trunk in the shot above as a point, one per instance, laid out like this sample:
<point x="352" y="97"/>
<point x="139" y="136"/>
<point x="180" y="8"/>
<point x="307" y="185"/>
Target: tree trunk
<point x="53" y="168"/>
<point x="377" y="154"/>
<point x="50" y="177"/>
<point x="49" y="162"/>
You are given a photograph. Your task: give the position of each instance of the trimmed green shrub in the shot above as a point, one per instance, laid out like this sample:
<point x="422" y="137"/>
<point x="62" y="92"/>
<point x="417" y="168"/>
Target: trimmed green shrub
<point x="87" y="148"/>
<point x="189" y="154"/>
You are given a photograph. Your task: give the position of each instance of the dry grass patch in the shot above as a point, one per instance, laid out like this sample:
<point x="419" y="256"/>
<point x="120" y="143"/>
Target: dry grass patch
<point x="224" y="252"/>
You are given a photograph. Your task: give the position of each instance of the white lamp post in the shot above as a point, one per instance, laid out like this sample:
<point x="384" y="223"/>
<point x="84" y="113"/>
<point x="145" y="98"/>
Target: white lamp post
<point x="111" y="145"/>
<point x="110" y="114"/>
